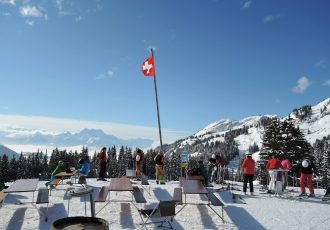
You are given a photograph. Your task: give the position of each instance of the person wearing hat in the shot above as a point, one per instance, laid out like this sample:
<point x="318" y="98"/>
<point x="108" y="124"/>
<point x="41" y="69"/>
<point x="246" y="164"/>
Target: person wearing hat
<point x="57" y="170"/>
<point x="307" y="168"/>
<point x="248" y="166"/>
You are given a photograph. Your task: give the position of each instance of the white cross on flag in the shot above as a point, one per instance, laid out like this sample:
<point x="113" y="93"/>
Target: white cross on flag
<point x="148" y="67"/>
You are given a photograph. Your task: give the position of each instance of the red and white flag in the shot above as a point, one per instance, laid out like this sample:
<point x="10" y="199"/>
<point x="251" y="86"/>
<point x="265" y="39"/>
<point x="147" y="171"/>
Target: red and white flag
<point x="148" y="67"/>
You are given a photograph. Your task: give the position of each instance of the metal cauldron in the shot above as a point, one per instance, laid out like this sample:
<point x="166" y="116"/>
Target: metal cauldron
<point x="80" y="223"/>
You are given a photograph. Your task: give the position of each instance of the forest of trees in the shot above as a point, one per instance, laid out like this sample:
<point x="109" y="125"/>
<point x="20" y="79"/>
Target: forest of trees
<point x="40" y="165"/>
<point x="280" y="136"/>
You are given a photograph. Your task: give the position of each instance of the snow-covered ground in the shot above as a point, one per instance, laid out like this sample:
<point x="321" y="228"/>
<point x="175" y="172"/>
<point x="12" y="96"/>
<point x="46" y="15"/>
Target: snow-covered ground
<point x="262" y="211"/>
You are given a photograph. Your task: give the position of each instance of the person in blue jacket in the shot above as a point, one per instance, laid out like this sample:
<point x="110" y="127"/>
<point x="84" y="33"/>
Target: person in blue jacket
<point x="84" y="170"/>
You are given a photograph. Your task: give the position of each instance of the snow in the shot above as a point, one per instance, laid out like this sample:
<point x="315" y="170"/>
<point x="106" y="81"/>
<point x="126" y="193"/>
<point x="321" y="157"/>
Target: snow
<point x="262" y="211"/>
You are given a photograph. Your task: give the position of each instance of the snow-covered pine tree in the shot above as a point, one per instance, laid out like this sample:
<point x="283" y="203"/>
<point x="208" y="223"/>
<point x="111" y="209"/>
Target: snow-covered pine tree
<point x="295" y="146"/>
<point x="112" y="163"/>
<point x="172" y="165"/>
<point x="128" y="158"/>
<point x="286" y="141"/>
<point x="149" y="169"/>
<point x="322" y="155"/>
<point x="121" y="162"/>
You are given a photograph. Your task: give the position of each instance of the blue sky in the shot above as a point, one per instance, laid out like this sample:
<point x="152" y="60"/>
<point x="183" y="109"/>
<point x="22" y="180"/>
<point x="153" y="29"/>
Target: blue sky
<point x="215" y="59"/>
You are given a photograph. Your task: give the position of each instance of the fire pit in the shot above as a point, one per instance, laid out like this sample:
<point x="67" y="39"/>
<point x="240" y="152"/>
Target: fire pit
<point x="80" y="223"/>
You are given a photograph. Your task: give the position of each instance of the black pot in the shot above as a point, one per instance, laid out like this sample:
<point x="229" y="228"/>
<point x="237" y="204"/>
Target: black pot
<point x="80" y="223"/>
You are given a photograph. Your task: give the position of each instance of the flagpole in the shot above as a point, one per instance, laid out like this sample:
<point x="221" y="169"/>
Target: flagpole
<point x="159" y="128"/>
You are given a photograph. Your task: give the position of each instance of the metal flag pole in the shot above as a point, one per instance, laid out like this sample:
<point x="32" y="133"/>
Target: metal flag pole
<point x="155" y="83"/>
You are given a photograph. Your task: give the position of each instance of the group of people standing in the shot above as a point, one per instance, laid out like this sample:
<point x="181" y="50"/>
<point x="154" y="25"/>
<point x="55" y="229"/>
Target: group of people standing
<point x="278" y="172"/>
<point x="216" y="167"/>
<point x="139" y="159"/>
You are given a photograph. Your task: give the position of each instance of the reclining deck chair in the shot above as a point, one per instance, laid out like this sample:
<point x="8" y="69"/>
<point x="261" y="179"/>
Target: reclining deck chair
<point x="164" y="209"/>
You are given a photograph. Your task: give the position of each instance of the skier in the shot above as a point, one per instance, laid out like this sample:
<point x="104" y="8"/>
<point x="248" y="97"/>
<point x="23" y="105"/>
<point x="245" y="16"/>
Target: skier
<point x="220" y="163"/>
<point x="307" y="168"/>
<point x="248" y="173"/>
<point x="211" y="166"/>
<point x="272" y="165"/>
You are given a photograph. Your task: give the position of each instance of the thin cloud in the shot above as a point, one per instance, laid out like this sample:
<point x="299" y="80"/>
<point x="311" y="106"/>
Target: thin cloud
<point x="10" y="2"/>
<point x="106" y="75"/>
<point x="302" y="84"/>
<point x="270" y="18"/>
<point x="326" y="83"/>
<point x="60" y="7"/>
<point x="4" y="14"/>
<point x="30" y="22"/>
<point x="247" y="5"/>
<point x="321" y="64"/>
<point x="78" y="18"/>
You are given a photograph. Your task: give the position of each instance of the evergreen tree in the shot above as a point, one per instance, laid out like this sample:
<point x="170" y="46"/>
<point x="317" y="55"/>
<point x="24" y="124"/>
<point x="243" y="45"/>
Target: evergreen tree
<point x="4" y="168"/>
<point x="21" y="167"/>
<point x="253" y="148"/>
<point x="13" y="169"/>
<point x="112" y="163"/>
<point x="173" y="166"/>
<point x="93" y="164"/>
<point x="150" y="170"/>
<point x="286" y="141"/>
<point x="45" y="173"/>
<point x="121" y="162"/>
<point x="322" y="157"/>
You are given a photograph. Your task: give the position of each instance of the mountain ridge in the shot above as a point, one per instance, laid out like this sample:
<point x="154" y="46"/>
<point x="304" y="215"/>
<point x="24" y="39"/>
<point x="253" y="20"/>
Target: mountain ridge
<point x="93" y="138"/>
<point x="314" y="121"/>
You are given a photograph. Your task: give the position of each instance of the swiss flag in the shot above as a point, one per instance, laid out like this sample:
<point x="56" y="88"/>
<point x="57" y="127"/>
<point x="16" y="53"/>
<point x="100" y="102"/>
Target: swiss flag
<point x="148" y="67"/>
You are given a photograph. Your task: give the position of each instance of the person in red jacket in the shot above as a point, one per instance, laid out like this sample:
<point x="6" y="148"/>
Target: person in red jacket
<point x="248" y="173"/>
<point x="102" y="160"/>
<point x="272" y="164"/>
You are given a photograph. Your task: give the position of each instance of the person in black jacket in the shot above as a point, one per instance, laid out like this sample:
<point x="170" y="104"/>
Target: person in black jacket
<point x="307" y="169"/>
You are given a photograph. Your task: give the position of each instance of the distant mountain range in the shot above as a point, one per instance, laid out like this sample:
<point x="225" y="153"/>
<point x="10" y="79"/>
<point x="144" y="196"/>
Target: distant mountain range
<point x="314" y="122"/>
<point x="93" y="138"/>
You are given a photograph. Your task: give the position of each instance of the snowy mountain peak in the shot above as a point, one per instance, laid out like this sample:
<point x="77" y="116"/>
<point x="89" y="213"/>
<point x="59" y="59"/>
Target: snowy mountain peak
<point x="313" y="121"/>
